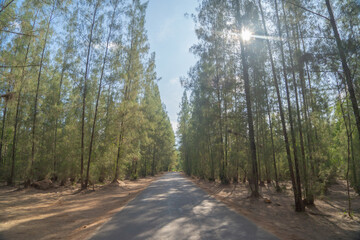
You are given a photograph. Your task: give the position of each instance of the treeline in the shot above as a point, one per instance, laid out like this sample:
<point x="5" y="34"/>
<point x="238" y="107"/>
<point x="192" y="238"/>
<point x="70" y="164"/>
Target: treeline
<point x="274" y="95"/>
<point x="79" y="93"/>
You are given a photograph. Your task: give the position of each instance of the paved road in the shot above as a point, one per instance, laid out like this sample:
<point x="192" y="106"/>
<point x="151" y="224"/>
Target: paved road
<point x="174" y="208"/>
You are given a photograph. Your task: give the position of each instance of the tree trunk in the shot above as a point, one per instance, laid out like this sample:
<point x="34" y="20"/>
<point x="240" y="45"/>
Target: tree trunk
<point x="282" y="117"/>
<point x="13" y="157"/>
<point x="299" y="207"/>
<point x="98" y="97"/>
<point x="84" y="95"/>
<point x="57" y="118"/>
<point x="222" y="173"/>
<point x="153" y="162"/>
<point x="9" y="90"/>
<point x="2" y="131"/>
<point x="302" y="148"/>
<point x="309" y="126"/>
<point x="118" y="154"/>
<point x="255" y="177"/>
<point x="345" y="67"/>
<point x="347" y="123"/>
<point x="277" y="187"/>
<point x="31" y="173"/>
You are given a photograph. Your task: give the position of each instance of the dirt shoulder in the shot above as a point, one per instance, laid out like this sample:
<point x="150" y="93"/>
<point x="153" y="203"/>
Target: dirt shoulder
<point x="326" y="220"/>
<point x="63" y="212"/>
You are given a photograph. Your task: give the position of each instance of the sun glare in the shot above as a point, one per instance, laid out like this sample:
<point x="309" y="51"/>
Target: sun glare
<point x="246" y="35"/>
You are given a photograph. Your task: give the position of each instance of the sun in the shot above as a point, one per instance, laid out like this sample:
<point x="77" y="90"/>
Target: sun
<point x="246" y="35"/>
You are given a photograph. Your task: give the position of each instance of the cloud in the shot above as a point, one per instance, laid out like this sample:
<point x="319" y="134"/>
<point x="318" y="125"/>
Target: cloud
<point x="16" y="25"/>
<point x="174" y="125"/>
<point x="174" y="81"/>
<point x="113" y="45"/>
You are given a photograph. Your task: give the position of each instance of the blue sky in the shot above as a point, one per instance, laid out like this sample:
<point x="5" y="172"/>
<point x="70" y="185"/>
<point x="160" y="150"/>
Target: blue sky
<point x="171" y="34"/>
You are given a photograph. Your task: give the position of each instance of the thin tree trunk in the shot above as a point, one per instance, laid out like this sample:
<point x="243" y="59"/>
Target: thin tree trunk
<point x="302" y="148"/>
<point x="5" y="6"/>
<point x="10" y="86"/>
<point x="222" y="173"/>
<point x="212" y="166"/>
<point x="226" y="141"/>
<point x="2" y="131"/>
<point x="299" y="207"/>
<point x="118" y="153"/>
<point x="121" y="135"/>
<point x="347" y="123"/>
<point x="257" y="142"/>
<point x="12" y="174"/>
<point x="84" y="94"/>
<point x="345" y="66"/>
<point x="309" y="126"/>
<point x="57" y="117"/>
<point x="98" y="97"/>
<point x="277" y="187"/>
<point x="31" y="173"/>
<point x="282" y="117"/>
<point x="123" y="115"/>
<point x="255" y="180"/>
<point x="153" y="161"/>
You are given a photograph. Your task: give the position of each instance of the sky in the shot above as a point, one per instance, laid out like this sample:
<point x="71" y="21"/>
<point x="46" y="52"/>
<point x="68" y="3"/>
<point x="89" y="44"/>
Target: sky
<point x="171" y="35"/>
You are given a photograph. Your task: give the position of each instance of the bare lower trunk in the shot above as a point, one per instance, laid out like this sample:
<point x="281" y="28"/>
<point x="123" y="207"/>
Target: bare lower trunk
<point x="2" y="132"/>
<point x="153" y="162"/>
<point x="347" y="123"/>
<point x="12" y="176"/>
<point x="118" y="153"/>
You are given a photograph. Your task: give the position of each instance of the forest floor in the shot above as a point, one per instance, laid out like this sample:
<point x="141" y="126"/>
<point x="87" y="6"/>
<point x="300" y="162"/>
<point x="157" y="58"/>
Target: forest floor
<point x="63" y="212"/>
<point x="327" y="219"/>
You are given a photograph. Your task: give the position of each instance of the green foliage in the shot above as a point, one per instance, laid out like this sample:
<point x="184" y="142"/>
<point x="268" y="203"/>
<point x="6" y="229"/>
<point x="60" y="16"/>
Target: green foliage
<point x="130" y="114"/>
<point x="213" y="133"/>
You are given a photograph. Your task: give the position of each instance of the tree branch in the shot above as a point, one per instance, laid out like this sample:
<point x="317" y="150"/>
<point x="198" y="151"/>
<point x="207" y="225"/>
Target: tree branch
<point x="23" y="34"/>
<point x="307" y="10"/>
<point x="3" y="8"/>
<point x="19" y="66"/>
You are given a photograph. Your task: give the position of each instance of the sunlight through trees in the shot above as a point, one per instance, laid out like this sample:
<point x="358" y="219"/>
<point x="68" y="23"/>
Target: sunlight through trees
<point x="280" y="102"/>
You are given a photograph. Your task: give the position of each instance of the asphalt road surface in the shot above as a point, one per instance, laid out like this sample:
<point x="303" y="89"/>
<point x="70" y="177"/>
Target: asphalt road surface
<point x="174" y="208"/>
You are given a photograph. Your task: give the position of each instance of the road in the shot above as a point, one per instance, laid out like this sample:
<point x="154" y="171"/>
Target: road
<point x="172" y="207"/>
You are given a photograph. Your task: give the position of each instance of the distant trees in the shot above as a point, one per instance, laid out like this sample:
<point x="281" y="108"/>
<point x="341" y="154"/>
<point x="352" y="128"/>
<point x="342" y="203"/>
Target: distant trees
<point x="78" y="83"/>
<point x="284" y="78"/>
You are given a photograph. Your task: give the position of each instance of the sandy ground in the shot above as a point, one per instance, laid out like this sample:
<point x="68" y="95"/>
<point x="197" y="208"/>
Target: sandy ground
<point x="326" y="220"/>
<point x="63" y="212"/>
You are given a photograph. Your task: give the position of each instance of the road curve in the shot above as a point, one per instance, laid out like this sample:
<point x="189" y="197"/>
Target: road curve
<point x="172" y="207"/>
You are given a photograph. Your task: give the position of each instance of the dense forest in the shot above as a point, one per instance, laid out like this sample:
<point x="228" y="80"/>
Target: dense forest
<point x="79" y="93"/>
<point x="274" y="95"/>
<point x="267" y="139"/>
